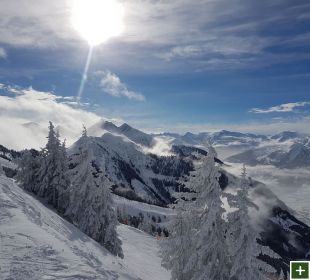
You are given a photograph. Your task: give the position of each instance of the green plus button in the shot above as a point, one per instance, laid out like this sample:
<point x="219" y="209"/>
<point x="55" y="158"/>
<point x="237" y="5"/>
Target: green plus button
<point x="299" y="270"/>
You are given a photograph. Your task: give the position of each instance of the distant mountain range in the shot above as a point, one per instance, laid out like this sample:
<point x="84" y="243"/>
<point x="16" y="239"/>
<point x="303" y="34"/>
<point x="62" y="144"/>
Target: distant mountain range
<point x="286" y="149"/>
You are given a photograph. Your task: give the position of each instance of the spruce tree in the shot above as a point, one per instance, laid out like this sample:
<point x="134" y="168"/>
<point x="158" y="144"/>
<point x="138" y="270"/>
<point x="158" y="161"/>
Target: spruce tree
<point x="196" y="248"/>
<point x="211" y="256"/>
<point x="28" y="168"/>
<point x="52" y="175"/>
<point x="62" y="180"/>
<point x="243" y="246"/>
<point x="178" y="247"/>
<point x="91" y="207"/>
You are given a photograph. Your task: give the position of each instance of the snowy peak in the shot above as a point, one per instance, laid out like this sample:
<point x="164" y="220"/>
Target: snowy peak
<point x="125" y="128"/>
<point x="286" y="135"/>
<point x="109" y="126"/>
<point x="135" y="135"/>
<point x="101" y="127"/>
<point x="223" y="138"/>
<point x="284" y="156"/>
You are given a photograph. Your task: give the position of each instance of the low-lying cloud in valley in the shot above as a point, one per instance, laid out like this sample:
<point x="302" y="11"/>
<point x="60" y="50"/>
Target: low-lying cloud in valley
<point x="290" y="185"/>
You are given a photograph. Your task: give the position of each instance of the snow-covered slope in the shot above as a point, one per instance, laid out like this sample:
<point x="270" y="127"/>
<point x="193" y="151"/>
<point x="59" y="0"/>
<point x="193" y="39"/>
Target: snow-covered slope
<point x="286" y="136"/>
<point x="136" y="174"/>
<point x="133" y="134"/>
<point x="37" y="244"/>
<point x="222" y="137"/>
<point x="286" y="154"/>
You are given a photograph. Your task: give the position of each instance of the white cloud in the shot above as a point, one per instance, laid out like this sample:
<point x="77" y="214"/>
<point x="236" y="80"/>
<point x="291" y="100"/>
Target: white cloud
<point x="112" y="85"/>
<point x="280" y="181"/>
<point x="3" y="53"/>
<point x="22" y="107"/>
<point x="227" y="46"/>
<point x="161" y="146"/>
<point x="283" y="108"/>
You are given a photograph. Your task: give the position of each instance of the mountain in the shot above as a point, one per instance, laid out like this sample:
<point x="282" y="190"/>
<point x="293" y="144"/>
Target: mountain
<point x="222" y="137"/>
<point x="137" y="175"/>
<point x="133" y="173"/>
<point x="283" y="156"/>
<point x="135" y="135"/>
<point x="287" y="135"/>
<point x="286" y="149"/>
<point x="38" y="244"/>
<point x="142" y="179"/>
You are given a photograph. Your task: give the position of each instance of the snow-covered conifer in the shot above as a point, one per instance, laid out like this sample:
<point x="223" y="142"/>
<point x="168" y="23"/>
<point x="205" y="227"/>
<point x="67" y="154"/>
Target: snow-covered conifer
<point x="196" y="247"/>
<point x="62" y="179"/>
<point x="211" y="256"/>
<point x="29" y="165"/>
<point x="243" y="246"/>
<point x="53" y="178"/>
<point x="177" y="248"/>
<point x="91" y="207"/>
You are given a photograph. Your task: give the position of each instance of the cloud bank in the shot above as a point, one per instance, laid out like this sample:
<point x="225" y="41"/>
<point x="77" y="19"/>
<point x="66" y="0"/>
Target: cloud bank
<point x="24" y="116"/>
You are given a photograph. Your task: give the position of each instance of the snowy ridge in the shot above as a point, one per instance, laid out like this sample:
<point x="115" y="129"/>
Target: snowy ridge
<point x="135" y="135"/>
<point x="135" y="174"/>
<point x="284" y="155"/>
<point x="37" y="244"/>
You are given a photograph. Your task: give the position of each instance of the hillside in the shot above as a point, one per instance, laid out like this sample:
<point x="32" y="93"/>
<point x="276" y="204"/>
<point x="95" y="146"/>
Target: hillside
<point x="37" y="244"/>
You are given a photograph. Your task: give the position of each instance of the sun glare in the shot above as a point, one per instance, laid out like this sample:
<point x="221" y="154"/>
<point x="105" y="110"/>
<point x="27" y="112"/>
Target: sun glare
<point x="97" y="20"/>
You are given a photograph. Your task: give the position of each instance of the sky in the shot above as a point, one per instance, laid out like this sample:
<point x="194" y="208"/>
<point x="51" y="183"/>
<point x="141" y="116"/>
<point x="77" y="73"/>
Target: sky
<point x="178" y="65"/>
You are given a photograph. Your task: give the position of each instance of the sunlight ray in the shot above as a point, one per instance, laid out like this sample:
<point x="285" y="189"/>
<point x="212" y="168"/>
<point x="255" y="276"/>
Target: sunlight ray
<point x="85" y="74"/>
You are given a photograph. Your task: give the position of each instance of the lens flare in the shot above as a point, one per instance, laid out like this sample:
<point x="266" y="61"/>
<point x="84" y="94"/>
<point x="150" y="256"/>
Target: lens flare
<point x="97" y="20"/>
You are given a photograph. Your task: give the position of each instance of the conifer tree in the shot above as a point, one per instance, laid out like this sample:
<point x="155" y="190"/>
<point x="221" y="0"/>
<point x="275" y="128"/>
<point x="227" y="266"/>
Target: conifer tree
<point x="196" y="248"/>
<point x="53" y="177"/>
<point x="178" y="247"/>
<point x="91" y="207"/>
<point x="28" y="167"/>
<point x="243" y="246"/>
<point x="211" y="256"/>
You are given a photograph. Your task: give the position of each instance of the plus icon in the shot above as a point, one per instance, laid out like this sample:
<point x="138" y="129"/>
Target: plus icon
<point x="300" y="270"/>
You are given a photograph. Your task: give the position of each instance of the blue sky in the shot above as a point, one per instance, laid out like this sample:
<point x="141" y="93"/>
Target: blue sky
<point x="178" y="66"/>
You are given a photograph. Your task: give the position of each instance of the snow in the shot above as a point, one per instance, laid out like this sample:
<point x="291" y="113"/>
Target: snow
<point x="6" y="163"/>
<point x="144" y="245"/>
<point x="286" y="224"/>
<point x="134" y="207"/>
<point x="132" y="134"/>
<point x="36" y="243"/>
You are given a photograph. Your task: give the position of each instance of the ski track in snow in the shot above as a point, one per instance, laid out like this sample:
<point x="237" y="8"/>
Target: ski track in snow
<point x="37" y="244"/>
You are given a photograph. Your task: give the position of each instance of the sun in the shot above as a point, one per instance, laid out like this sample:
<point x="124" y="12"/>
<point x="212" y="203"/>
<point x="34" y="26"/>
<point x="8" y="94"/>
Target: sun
<point x="97" y="20"/>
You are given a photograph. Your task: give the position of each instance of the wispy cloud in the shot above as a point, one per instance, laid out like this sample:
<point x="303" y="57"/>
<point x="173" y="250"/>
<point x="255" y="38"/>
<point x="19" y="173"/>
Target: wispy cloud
<point x="283" y="108"/>
<point x="224" y="46"/>
<point x="223" y="31"/>
<point x="112" y="84"/>
<point x="3" y="53"/>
